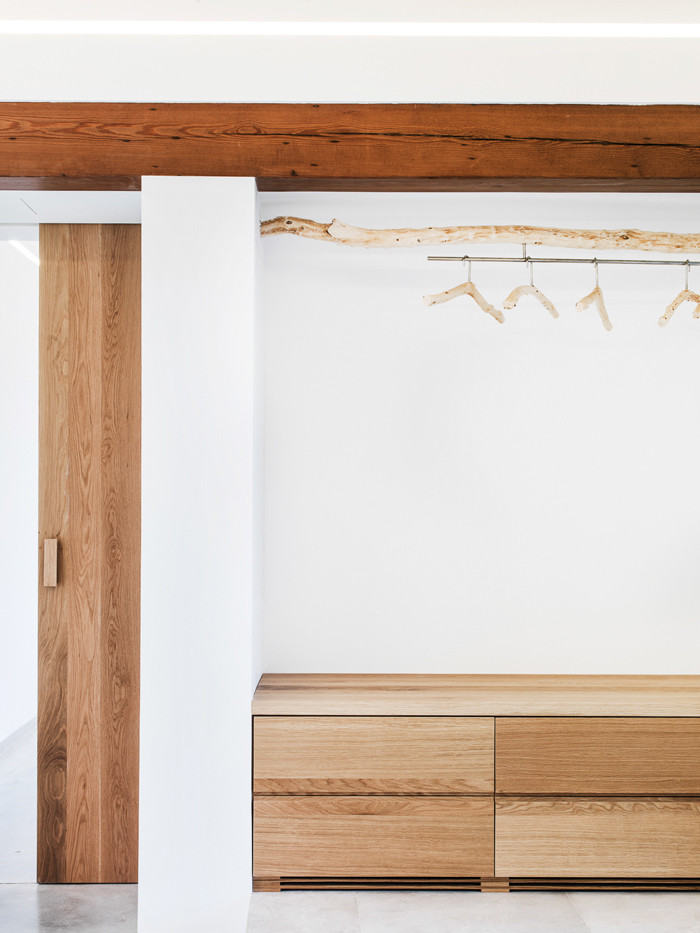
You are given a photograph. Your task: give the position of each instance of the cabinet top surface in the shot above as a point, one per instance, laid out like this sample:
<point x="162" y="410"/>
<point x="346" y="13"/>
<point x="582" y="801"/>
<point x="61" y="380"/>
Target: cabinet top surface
<point x="476" y="695"/>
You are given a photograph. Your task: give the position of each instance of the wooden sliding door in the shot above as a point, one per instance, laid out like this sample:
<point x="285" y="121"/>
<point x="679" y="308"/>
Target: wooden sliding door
<point x="89" y="583"/>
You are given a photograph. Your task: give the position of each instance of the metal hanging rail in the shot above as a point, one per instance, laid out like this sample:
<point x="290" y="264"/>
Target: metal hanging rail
<point x="593" y="261"/>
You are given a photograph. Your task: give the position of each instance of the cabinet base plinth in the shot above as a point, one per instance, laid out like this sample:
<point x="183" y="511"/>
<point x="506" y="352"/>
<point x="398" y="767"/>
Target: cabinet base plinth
<point x="495" y="885"/>
<point x="485" y="885"/>
<point x="604" y="884"/>
<point x="266" y="884"/>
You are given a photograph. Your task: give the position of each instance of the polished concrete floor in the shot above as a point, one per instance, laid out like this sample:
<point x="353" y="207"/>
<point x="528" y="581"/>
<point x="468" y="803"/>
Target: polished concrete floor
<point x="29" y="908"/>
<point x="473" y="912"/>
<point x="82" y="908"/>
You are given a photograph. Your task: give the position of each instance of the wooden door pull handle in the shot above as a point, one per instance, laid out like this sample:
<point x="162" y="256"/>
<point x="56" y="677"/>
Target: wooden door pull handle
<point x="50" y="561"/>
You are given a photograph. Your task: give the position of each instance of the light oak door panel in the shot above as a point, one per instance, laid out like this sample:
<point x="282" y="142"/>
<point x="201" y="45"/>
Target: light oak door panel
<point x="372" y="836"/>
<point x="606" y="837"/>
<point x="89" y="499"/>
<point x="372" y="755"/>
<point x="601" y="756"/>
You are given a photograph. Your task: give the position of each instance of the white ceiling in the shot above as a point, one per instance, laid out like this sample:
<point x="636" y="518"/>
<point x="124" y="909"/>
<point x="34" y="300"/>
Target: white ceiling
<point x="361" y="10"/>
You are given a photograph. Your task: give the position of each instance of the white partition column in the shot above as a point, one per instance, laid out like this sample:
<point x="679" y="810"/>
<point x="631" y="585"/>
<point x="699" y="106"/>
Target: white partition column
<point x="200" y="572"/>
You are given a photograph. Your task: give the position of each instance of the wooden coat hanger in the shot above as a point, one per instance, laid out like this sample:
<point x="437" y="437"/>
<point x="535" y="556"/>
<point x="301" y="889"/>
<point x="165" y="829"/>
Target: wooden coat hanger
<point x="466" y="288"/>
<point x="595" y="297"/>
<point x="522" y="290"/>
<point x="684" y="295"/>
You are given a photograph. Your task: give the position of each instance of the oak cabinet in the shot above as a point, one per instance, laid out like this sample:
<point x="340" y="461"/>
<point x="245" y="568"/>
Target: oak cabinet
<point x="372" y="755"/>
<point x="584" y="755"/>
<point x="491" y="782"/>
<point x="619" y="837"/>
<point x="379" y="836"/>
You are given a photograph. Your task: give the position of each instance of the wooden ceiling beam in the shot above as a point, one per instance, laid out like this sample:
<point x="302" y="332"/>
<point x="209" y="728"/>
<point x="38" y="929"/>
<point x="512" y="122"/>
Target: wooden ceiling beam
<point x="401" y="147"/>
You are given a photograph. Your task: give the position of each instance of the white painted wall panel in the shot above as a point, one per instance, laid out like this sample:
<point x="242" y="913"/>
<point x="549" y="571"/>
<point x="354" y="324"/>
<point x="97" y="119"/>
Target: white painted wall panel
<point x="444" y="493"/>
<point x="19" y="428"/>
<point x="199" y="540"/>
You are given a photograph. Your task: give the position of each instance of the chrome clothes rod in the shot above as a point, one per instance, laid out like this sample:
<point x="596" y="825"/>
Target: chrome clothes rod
<point x="591" y="262"/>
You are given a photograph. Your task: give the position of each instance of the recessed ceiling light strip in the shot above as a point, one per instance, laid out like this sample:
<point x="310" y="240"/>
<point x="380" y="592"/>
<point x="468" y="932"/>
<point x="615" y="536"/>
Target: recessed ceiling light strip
<point x="348" y="29"/>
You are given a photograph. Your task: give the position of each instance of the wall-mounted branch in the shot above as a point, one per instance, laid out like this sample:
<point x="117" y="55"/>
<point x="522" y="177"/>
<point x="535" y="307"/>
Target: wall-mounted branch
<point x="338" y="232"/>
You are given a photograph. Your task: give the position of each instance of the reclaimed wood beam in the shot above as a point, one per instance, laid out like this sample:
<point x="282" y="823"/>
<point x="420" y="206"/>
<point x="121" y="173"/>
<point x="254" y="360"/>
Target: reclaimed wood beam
<point x="476" y="146"/>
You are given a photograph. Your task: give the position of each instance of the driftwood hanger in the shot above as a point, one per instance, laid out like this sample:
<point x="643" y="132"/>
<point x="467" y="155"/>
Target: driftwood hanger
<point x="521" y="290"/>
<point x="595" y="297"/>
<point x="684" y="295"/>
<point x="470" y="290"/>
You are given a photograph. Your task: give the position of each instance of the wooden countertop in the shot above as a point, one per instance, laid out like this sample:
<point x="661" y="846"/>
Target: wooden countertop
<point x="476" y="695"/>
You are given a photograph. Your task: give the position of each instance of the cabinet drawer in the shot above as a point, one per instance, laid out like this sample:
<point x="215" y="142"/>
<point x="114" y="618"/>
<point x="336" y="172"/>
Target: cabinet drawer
<point x="372" y="836"/>
<point x="372" y="755"/>
<point x="605" y="837"/>
<point x="609" y="756"/>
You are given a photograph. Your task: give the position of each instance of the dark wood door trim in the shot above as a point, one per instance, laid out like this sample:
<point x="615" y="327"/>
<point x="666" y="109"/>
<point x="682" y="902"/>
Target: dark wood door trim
<point x="355" y="146"/>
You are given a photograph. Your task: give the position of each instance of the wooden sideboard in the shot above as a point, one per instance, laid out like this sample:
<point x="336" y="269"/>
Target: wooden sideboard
<point x="491" y="782"/>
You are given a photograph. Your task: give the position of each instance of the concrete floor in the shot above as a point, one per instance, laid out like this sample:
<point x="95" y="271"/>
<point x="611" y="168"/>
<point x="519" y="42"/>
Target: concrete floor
<point x="473" y="912"/>
<point x="79" y="908"/>
<point x="30" y="908"/>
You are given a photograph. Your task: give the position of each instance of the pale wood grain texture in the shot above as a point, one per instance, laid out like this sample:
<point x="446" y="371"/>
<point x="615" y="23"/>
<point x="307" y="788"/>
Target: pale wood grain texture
<point x="90" y="498"/>
<point x="121" y="549"/>
<point x="54" y="395"/>
<point x="598" y="756"/>
<point x="82" y="548"/>
<point x="598" y="836"/>
<point x="373" y="836"/>
<point x="50" y="561"/>
<point x="476" y="695"/>
<point x="372" y="755"/>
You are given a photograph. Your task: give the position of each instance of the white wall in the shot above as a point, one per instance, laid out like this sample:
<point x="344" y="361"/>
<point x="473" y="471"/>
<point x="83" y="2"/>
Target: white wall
<point x="19" y="383"/>
<point x="444" y="493"/>
<point x="449" y="69"/>
<point x="192" y="694"/>
<point x="199" y="539"/>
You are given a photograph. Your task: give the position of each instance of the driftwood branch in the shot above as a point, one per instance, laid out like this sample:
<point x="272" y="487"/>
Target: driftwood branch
<point x="344" y="234"/>
<point x="685" y="295"/>
<point x="595" y="297"/>
<point x="469" y="289"/>
<point x="522" y="290"/>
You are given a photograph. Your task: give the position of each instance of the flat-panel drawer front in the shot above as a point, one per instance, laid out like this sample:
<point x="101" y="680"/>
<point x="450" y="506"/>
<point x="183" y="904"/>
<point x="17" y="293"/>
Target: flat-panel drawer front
<point x="372" y="836"/>
<point x="601" y="756"/>
<point x="607" y="837"/>
<point x="372" y="755"/>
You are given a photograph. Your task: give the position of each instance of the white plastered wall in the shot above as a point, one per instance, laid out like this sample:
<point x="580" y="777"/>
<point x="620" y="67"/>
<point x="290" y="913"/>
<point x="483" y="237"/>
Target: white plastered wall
<point x="446" y="493"/>
<point x="177" y="762"/>
<point x="199" y="552"/>
<point x="19" y="320"/>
